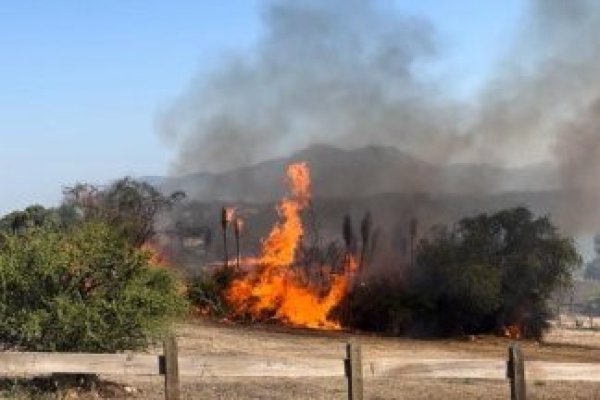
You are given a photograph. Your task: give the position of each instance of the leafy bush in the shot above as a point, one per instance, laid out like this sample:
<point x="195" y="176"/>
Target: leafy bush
<point x="206" y="290"/>
<point x="378" y="305"/>
<point x="84" y="288"/>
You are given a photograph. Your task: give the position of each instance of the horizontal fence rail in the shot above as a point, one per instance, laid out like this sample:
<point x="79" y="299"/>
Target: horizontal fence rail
<point x="24" y="364"/>
<point x="355" y="367"/>
<point x="31" y="364"/>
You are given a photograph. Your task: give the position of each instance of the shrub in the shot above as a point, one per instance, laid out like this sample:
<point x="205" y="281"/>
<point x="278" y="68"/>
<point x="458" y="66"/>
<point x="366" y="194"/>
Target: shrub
<point x="378" y="305"/>
<point x="207" y="289"/>
<point x="84" y="288"/>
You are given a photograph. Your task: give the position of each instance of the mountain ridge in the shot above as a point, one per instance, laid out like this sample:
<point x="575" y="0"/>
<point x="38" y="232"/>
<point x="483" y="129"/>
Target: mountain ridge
<point x="364" y="171"/>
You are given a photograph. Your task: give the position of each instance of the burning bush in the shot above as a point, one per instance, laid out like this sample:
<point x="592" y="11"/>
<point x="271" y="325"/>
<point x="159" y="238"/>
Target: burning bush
<point x="277" y="284"/>
<point x="84" y="288"/>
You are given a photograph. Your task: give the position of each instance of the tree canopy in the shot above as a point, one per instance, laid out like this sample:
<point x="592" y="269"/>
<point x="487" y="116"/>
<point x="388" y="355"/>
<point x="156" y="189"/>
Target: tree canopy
<point x="128" y="204"/>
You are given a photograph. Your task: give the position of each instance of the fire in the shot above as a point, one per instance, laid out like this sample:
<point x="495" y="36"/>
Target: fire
<point x="157" y="258"/>
<point x="512" y="331"/>
<point x="274" y="289"/>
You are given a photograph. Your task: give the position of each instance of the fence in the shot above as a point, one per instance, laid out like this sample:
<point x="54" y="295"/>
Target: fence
<point x="353" y="367"/>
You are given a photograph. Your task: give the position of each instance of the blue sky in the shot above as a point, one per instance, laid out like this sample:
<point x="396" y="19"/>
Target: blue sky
<point x="81" y="83"/>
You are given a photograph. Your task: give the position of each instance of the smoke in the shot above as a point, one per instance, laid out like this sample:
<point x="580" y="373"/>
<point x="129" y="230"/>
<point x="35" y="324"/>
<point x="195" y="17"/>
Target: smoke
<point x="539" y="84"/>
<point x="350" y="73"/>
<point x="544" y="104"/>
<point x="337" y="72"/>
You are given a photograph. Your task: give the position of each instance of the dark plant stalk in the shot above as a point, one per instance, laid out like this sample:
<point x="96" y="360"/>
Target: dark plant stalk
<point x="224" y="226"/>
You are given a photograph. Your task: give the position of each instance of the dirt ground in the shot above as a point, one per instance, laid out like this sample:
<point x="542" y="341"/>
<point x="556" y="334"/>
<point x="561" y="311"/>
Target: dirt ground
<point x="210" y="338"/>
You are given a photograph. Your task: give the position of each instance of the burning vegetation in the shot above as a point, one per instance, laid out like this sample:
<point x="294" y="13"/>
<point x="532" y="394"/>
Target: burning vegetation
<point x="275" y="288"/>
<point x="487" y="273"/>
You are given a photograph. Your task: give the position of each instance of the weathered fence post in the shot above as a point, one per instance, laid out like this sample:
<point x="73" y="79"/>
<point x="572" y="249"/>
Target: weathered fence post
<point x="171" y="368"/>
<point x="515" y="371"/>
<point x="353" y="366"/>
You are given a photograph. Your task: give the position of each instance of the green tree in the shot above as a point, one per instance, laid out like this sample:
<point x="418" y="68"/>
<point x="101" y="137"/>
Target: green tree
<point x="455" y="293"/>
<point x="84" y="288"/>
<point x="33" y="216"/>
<point x="498" y="270"/>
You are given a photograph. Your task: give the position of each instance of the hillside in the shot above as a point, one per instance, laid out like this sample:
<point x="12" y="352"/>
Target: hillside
<point x="365" y="171"/>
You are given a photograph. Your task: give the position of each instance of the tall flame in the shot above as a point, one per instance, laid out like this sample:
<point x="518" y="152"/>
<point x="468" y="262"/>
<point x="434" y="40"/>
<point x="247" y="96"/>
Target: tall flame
<point x="274" y="290"/>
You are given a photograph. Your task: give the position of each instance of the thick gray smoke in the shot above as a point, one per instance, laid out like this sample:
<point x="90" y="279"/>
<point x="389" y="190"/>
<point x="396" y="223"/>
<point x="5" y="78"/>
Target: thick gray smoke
<point x="349" y="73"/>
<point x="342" y="72"/>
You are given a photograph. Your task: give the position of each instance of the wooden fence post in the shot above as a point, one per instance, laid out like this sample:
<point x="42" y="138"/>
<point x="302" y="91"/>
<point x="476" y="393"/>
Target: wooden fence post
<point x="515" y="371"/>
<point x="353" y="367"/>
<point x="171" y="368"/>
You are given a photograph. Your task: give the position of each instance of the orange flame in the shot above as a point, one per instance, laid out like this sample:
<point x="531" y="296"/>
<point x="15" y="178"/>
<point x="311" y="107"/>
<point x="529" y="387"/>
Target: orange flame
<point x="512" y="331"/>
<point x="275" y="290"/>
<point x="156" y="257"/>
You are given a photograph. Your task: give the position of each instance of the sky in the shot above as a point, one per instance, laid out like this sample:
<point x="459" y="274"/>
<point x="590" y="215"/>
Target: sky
<point x="82" y="83"/>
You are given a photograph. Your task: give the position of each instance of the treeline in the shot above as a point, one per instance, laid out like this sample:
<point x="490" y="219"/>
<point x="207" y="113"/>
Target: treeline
<point x="74" y="277"/>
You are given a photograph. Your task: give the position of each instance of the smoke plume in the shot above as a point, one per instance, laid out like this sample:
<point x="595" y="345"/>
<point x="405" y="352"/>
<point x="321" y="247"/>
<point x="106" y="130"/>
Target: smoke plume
<point x="337" y="72"/>
<point x="350" y="73"/>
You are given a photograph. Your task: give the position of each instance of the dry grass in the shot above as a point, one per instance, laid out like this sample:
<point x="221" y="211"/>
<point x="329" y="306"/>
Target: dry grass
<point x="204" y="337"/>
<point x="589" y="338"/>
<point x="328" y="389"/>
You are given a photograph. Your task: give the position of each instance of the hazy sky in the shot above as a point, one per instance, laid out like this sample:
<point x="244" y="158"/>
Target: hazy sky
<point x="81" y="83"/>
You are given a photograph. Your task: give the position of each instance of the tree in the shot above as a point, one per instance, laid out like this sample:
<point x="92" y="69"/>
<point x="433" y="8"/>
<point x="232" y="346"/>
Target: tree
<point x="85" y="288"/>
<point x="18" y="222"/>
<point x="455" y="294"/>
<point x="497" y="270"/>
<point x="128" y="204"/>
